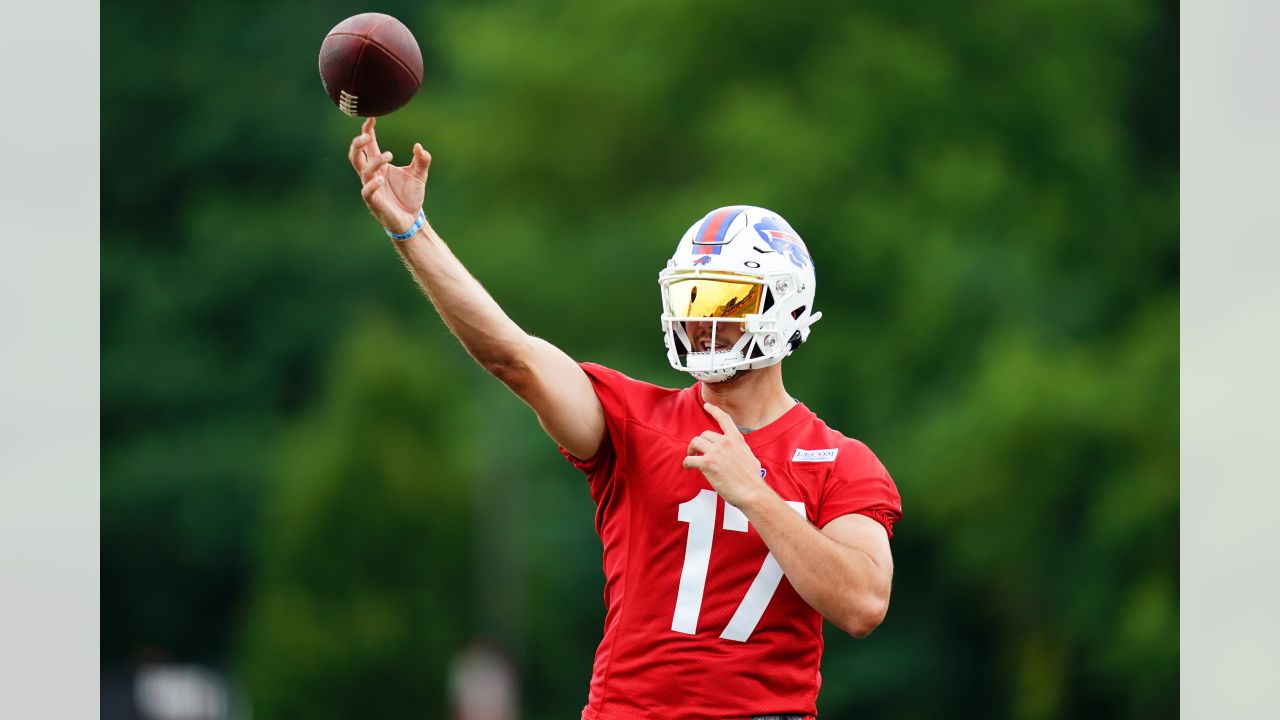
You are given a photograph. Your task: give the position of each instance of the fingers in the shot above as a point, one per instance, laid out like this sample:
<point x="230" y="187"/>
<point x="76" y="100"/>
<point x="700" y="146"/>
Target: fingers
<point x="355" y="153"/>
<point x="698" y="446"/>
<point x="372" y="167"/>
<point x="723" y="419"/>
<point x="704" y="442"/>
<point x="363" y="147"/>
<point x="370" y="188"/>
<point x="694" y="462"/>
<point x="367" y="129"/>
<point x="421" y="162"/>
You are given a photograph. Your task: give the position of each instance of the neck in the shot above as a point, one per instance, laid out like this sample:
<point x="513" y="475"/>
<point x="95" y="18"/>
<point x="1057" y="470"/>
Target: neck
<point x="753" y="398"/>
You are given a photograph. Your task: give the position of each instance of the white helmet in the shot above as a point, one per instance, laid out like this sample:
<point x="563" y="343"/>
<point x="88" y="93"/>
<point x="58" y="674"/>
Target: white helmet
<point x="739" y="268"/>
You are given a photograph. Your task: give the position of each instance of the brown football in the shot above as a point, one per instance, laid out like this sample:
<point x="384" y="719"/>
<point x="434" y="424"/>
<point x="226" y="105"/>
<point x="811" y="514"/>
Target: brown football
<point x="370" y="65"/>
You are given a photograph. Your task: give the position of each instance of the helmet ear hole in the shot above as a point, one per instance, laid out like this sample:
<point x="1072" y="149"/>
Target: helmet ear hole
<point x="795" y="314"/>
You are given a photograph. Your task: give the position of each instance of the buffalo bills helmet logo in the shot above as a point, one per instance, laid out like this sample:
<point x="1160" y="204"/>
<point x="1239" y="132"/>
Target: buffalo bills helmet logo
<point x="783" y="240"/>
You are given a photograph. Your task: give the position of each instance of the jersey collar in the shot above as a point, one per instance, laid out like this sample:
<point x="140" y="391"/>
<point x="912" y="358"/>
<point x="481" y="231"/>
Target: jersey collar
<point x="761" y="435"/>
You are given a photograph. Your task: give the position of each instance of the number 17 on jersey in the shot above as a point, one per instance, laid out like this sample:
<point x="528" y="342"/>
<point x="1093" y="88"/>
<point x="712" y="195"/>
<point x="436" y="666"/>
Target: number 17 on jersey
<point x="700" y="514"/>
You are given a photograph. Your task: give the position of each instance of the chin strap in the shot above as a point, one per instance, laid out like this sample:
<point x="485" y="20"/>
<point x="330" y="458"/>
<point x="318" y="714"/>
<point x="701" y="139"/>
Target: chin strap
<point x="714" y="380"/>
<point x="713" y="376"/>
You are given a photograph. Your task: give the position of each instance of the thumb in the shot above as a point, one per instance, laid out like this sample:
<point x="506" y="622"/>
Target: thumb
<point x="421" y="162"/>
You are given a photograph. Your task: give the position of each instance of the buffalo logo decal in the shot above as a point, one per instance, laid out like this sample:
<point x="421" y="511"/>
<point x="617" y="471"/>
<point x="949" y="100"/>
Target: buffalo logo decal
<point x="784" y="241"/>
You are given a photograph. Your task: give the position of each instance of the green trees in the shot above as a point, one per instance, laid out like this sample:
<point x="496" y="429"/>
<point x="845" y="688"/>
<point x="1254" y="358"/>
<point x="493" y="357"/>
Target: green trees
<point x="306" y="479"/>
<point x="366" y="565"/>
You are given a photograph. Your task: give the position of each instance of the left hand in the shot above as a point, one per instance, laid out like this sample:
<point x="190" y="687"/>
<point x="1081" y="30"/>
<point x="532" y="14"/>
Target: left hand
<point x="726" y="461"/>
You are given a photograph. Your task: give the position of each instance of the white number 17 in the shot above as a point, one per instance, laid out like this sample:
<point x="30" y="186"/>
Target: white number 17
<point x="700" y="513"/>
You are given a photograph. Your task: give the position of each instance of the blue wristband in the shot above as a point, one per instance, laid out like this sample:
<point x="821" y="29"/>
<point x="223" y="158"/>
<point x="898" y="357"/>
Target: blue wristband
<point x="417" y="225"/>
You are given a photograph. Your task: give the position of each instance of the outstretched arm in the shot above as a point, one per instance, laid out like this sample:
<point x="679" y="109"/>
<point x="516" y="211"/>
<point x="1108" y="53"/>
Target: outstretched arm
<point x="547" y="379"/>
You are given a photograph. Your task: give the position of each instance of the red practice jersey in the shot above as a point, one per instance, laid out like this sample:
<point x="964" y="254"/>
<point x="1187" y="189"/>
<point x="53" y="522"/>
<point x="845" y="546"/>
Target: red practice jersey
<point x="700" y="621"/>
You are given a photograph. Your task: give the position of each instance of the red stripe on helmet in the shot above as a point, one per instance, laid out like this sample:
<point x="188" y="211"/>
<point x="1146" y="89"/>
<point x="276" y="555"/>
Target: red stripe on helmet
<point x="711" y="228"/>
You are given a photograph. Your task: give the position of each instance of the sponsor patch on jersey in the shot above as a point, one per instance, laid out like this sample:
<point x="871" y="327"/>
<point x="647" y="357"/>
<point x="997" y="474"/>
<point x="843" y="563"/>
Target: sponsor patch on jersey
<point x="824" y="455"/>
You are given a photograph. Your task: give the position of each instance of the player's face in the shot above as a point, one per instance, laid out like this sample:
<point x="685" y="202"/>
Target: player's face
<point x="727" y="333"/>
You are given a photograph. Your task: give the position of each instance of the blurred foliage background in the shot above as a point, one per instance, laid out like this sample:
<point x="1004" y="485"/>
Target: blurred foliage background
<point x="307" y="484"/>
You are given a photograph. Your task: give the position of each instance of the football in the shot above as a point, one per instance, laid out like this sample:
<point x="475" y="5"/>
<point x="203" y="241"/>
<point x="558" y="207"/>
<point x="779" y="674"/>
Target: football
<point x="370" y="65"/>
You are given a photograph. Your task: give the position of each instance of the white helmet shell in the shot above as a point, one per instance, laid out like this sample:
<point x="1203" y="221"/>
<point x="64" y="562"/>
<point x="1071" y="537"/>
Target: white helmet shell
<point x="738" y="246"/>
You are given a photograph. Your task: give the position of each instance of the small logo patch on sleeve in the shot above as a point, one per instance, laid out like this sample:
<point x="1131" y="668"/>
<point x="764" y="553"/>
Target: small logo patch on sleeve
<point x="825" y="455"/>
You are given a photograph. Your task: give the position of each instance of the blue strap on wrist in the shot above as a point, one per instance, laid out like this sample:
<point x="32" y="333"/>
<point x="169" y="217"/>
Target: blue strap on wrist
<point x="417" y="225"/>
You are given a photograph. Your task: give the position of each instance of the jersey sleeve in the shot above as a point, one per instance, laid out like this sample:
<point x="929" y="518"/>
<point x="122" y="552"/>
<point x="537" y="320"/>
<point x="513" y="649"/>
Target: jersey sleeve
<point x="860" y="484"/>
<point x="611" y="389"/>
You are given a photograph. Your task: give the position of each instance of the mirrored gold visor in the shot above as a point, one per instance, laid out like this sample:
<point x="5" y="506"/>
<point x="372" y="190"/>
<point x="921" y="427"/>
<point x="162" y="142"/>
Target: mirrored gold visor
<point x="704" y="298"/>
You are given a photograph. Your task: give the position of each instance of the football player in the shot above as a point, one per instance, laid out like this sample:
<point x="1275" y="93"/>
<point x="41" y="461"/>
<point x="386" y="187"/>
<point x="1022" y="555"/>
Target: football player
<point x="733" y="520"/>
